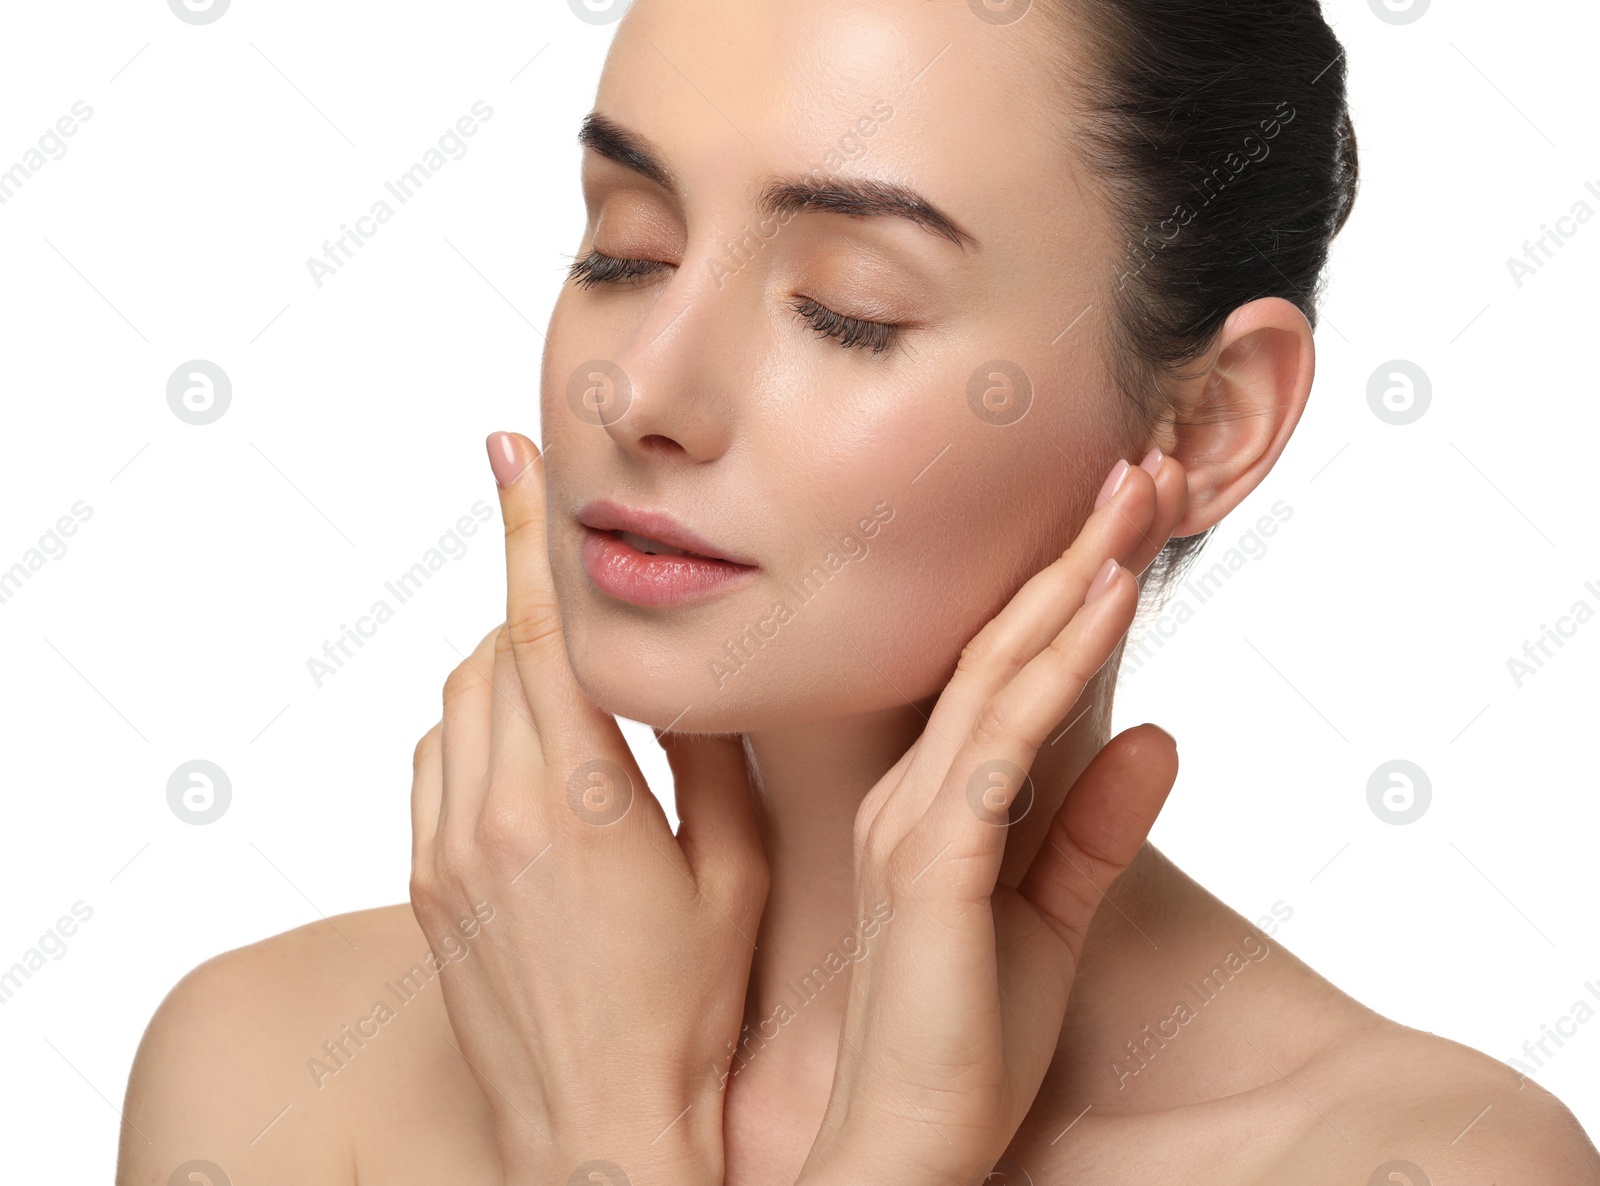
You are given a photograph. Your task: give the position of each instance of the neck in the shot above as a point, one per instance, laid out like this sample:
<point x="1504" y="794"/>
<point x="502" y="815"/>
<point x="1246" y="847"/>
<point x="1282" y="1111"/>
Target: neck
<point x="1156" y="928"/>
<point x="810" y="781"/>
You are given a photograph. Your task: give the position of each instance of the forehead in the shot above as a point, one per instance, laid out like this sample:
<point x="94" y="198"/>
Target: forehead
<point x="919" y="92"/>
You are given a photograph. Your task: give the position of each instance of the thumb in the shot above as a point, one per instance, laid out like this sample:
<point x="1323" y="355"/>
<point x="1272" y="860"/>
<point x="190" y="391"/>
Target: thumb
<point x="718" y="831"/>
<point x="1099" y="829"/>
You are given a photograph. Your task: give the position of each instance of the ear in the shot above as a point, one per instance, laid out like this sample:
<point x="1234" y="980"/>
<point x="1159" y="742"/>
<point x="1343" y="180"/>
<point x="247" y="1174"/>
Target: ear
<point x="1234" y="417"/>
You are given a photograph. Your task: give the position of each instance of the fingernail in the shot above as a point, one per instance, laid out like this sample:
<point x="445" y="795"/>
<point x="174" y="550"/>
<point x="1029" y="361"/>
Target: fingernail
<point x="1152" y="461"/>
<point x="503" y="458"/>
<point x="1113" y="483"/>
<point x="1103" y="578"/>
<point x="1163" y="732"/>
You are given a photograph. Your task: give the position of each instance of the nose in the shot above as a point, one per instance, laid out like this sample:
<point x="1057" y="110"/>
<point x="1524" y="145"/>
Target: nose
<point x="673" y="394"/>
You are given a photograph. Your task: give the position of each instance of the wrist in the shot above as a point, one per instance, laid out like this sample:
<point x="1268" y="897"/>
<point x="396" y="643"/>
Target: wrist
<point x="611" y="1146"/>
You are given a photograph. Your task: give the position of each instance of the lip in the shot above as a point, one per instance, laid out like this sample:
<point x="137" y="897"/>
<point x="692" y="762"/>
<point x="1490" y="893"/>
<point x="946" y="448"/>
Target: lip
<point x="621" y="570"/>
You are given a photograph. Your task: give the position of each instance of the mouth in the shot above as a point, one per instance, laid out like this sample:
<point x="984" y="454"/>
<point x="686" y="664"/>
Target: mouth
<point x="648" y="558"/>
<point x="655" y="547"/>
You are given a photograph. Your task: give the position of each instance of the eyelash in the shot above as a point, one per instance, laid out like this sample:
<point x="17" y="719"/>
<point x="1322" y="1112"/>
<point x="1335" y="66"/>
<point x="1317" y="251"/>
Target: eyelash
<point x="850" y="332"/>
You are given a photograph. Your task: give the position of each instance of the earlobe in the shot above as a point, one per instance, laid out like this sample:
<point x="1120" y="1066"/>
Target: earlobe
<point x="1234" y="418"/>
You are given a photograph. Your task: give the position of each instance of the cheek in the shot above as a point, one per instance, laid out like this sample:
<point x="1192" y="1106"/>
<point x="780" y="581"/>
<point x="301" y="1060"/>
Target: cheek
<point x="968" y="513"/>
<point x="967" y="510"/>
<point x="964" y="537"/>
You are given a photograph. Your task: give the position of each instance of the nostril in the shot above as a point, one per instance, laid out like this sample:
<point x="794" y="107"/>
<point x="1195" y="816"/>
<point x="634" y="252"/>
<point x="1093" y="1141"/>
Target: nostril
<point x="663" y="445"/>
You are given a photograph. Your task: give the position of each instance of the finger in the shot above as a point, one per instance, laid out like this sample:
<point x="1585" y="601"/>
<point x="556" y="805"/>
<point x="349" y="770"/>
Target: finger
<point x="1099" y="830"/>
<point x="1172" y="499"/>
<point x="1035" y="615"/>
<point x="427" y="785"/>
<point x="718" y="830"/>
<point x="558" y="709"/>
<point x="514" y="741"/>
<point x="970" y="813"/>
<point x="467" y="696"/>
<point x="880" y="794"/>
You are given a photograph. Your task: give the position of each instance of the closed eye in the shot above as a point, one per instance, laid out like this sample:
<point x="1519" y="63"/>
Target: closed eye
<point x="850" y="332"/>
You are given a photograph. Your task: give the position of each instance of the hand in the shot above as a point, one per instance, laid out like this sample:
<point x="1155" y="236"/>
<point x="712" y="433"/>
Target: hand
<point x="953" y="1018"/>
<point x="608" y="960"/>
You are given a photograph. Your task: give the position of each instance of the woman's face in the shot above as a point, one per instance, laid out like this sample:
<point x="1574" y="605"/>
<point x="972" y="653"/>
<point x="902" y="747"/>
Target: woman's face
<point x="886" y="503"/>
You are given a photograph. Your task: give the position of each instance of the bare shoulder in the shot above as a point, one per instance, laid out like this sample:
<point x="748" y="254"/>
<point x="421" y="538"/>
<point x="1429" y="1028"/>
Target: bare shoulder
<point x="300" y="1058"/>
<point x="1424" y="1110"/>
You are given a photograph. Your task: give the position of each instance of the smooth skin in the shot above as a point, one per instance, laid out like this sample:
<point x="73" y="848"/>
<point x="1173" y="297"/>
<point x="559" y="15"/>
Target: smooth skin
<point x="594" y="974"/>
<point x="925" y="1028"/>
<point x="580" y="1025"/>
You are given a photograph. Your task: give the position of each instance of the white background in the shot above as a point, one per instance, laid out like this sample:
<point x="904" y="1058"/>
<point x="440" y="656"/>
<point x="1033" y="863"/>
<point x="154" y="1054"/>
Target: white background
<point x="218" y="559"/>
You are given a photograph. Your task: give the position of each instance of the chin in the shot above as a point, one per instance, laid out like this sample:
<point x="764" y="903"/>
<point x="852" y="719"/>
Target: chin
<point x="614" y="683"/>
<point x="647" y="673"/>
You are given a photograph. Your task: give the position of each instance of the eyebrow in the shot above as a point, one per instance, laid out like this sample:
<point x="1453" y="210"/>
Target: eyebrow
<point x="781" y="195"/>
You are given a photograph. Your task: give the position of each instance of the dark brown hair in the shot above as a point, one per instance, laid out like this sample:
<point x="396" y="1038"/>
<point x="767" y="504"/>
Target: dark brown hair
<point x="1221" y="131"/>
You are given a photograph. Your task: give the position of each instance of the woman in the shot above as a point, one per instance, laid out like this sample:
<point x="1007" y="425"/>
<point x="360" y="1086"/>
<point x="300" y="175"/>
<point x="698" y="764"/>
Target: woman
<point x="901" y="342"/>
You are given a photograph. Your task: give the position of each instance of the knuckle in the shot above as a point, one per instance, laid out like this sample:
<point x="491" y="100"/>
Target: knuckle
<point x="427" y="748"/>
<point x="424" y="892"/>
<point x="1070" y="661"/>
<point x="990" y="726"/>
<point x="976" y="654"/>
<point x="900" y="866"/>
<point x="463" y="679"/>
<point x="882" y="846"/>
<point x="1109" y="842"/>
<point x="502" y="641"/>
<point x="503" y="833"/>
<point x="861" y="834"/>
<point x="525" y="530"/>
<point x="990" y="654"/>
<point x="740" y="880"/>
<point x="868" y="837"/>
<point x="457" y="856"/>
<point x="535" y="622"/>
